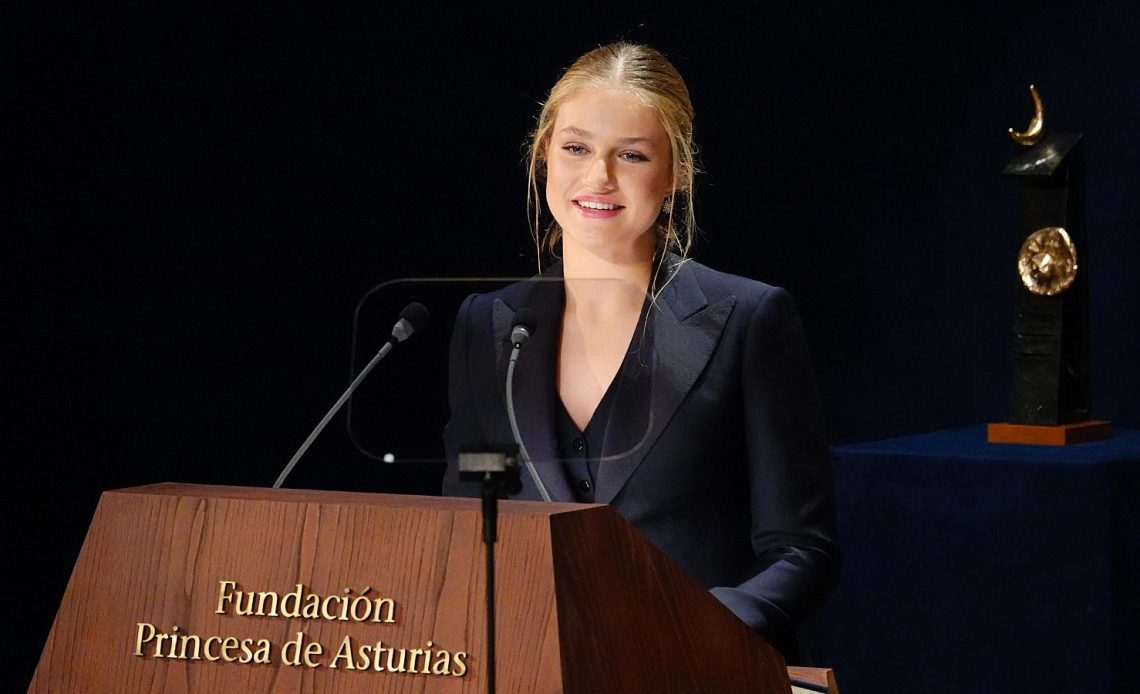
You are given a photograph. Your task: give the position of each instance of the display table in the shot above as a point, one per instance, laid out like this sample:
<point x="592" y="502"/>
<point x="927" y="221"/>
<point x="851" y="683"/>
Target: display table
<point x="974" y="567"/>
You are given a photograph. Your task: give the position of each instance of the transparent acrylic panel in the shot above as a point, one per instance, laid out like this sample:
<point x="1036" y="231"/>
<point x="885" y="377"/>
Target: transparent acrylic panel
<point x="397" y="416"/>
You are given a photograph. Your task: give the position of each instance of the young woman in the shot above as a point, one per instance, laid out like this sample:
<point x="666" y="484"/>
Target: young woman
<point x="680" y="395"/>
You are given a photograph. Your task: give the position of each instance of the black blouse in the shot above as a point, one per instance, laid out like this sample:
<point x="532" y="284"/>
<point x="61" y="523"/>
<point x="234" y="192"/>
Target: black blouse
<point x="579" y="450"/>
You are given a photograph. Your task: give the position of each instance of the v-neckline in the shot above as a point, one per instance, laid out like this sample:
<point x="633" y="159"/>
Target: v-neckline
<point x="607" y="394"/>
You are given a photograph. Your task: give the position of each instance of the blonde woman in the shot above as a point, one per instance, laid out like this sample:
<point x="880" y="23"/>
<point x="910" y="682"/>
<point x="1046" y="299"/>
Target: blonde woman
<point x="680" y="395"/>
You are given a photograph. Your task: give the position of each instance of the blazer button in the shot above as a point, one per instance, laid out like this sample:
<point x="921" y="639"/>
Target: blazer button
<point x="585" y="486"/>
<point x="578" y="443"/>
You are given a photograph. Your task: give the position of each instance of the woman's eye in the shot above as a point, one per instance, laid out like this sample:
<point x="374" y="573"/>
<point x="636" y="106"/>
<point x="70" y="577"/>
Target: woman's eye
<point x="633" y="156"/>
<point x="574" y="149"/>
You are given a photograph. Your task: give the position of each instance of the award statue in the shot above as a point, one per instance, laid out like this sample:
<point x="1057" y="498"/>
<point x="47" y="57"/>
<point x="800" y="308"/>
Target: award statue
<point x="1049" y="398"/>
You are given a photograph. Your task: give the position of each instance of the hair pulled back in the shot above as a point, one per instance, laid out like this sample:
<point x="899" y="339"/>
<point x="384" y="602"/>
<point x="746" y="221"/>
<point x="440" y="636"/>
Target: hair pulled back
<point x="652" y="78"/>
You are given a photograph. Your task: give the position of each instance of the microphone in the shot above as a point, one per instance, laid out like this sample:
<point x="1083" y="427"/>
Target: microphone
<point x="524" y="327"/>
<point x="413" y="319"/>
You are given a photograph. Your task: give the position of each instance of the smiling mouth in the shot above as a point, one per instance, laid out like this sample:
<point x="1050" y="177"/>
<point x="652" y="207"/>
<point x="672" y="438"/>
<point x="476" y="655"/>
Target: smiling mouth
<point x="591" y="205"/>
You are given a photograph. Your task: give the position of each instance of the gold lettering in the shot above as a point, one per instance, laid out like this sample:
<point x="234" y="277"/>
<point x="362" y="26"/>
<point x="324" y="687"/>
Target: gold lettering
<point x="399" y="667"/>
<point x="390" y="616"/>
<point x="345" y="651"/>
<point x="427" y="660"/>
<point x="210" y="654"/>
<point x="180" y="646"/>
<point x="224" y="595"/>
<point x="312" y="606"/>
<point x="442" y="664"/>
<point x="292" y="608"/>
<point x="261" y="655"/>
<point x="143" y="634"/>
<point x="343" y="616"/>
<point x="414" y="653"/>
<point x="195" y="652"/>
<point x="173" y="643"/>
<point x="296" y="651"/>
<point x="243" y="606"/>
<point x="460" y="668"/>
<point x="261" y="598"/>
<point x="367" y="602"/>
<point x="229" y="644"/>
<point x="312" y="649"/>
<point x="365" y="653"/>
<point x="291" y="650"/>
<point x="325" y="606"/>
<point x="303" y="603"/>
<point x="158" y="641"/>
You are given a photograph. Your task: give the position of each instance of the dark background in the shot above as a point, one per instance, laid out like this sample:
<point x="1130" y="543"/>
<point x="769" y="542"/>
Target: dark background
<point x="204" y="195"/>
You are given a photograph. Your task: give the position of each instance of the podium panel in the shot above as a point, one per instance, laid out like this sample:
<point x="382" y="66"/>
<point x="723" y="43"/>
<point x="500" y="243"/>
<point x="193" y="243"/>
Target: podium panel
<point x="185" y="588"/>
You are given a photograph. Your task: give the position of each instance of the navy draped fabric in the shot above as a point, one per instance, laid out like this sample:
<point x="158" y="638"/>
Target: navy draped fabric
<point x="975" y="567"/>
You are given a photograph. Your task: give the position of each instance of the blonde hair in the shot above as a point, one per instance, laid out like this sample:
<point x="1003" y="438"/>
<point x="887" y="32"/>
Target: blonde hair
<point x="648" y="74"/>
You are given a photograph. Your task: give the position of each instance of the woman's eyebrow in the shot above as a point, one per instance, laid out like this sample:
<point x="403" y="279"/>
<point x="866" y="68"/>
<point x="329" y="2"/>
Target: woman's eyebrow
<point x="574" y="130"/>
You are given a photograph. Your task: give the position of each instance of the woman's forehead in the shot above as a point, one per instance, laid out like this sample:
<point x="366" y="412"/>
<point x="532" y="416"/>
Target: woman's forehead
<point x="610" y="113"/>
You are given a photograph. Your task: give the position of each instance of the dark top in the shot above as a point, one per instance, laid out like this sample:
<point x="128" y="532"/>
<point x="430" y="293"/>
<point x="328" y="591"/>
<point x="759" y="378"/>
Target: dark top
<point x="574" y="448"/>
<point x="579" y="449"/>
<point x="713" y="448"/>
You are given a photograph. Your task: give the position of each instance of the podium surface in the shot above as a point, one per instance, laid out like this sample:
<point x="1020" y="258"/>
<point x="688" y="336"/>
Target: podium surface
<point x="186" y="588"/>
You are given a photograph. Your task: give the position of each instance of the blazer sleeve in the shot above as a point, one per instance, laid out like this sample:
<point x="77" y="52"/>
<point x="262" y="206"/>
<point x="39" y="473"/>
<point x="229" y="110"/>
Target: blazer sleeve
<point x="792" y="499"/>
<point x="463" y="428"/>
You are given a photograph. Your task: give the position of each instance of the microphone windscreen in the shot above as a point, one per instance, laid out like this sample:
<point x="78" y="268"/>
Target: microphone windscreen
<point x="417" y="316"/>
<point x="526" y="318"/>
<point x="523" y="327"/>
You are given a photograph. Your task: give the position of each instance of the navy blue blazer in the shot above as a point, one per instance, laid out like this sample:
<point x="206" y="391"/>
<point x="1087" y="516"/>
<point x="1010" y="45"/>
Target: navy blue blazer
<point x="714" y="448"/>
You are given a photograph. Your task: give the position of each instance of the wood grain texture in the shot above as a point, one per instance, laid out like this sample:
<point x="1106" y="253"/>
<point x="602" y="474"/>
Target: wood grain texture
<point x="156" y="555"/>
<point x="818" y="676"/>
<point x="631" y="620"/>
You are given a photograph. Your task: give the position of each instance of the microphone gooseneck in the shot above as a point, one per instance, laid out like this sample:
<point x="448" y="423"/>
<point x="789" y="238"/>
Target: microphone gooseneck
<point x="524" y="328"/>
<point x="413" y="318"/>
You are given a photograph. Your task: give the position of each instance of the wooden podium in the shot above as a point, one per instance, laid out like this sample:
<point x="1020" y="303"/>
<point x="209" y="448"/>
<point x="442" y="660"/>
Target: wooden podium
<point x="184" y="588"/>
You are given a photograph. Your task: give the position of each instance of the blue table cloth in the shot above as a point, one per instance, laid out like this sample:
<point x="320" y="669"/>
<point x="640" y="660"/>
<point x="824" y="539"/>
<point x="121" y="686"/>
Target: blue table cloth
<point x="976" y="567"/>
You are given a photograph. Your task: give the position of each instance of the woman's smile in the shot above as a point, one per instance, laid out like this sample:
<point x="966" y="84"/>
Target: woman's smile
<point x="597" y="208"/>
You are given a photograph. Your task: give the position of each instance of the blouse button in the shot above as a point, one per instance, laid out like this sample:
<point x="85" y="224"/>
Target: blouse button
<point x="585" y="486"/>
<point x="578" y="443"/>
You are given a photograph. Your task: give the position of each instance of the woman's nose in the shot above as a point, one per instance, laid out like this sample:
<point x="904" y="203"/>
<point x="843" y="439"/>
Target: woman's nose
<point x="599" y="176"/>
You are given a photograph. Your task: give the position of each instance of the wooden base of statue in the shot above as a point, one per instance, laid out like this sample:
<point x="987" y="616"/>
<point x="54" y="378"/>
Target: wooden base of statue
<point x="1059" y="435"/>
<point x="184" y="588"/>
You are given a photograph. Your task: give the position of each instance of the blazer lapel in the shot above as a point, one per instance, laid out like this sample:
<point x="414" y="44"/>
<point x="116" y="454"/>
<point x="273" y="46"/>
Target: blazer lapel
<point x="533" y="390"/>
<point x="681" y="334"/>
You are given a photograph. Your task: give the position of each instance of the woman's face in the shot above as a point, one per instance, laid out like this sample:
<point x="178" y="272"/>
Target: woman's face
<point x="608" y="171"/>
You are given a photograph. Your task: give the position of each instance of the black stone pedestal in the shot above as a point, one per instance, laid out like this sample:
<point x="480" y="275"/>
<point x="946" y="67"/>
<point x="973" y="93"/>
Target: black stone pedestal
<point x="1050" y="333"/>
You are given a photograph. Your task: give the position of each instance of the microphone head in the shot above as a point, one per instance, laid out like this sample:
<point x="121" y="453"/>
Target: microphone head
<point x="413" y="318"/>
<point x="524" y="325"/>
<point x="417" y="315"/>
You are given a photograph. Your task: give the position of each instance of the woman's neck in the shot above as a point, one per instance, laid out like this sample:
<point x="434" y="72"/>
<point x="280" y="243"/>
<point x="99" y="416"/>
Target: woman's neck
<point x="600" y="285"/>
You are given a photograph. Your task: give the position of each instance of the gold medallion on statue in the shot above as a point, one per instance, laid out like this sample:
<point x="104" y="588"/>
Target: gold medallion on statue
<point x="1047" y="262"/>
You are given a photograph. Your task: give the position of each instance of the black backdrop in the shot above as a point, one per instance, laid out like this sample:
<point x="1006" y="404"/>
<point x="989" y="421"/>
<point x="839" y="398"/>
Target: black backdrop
<point x="204" y="195"/>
